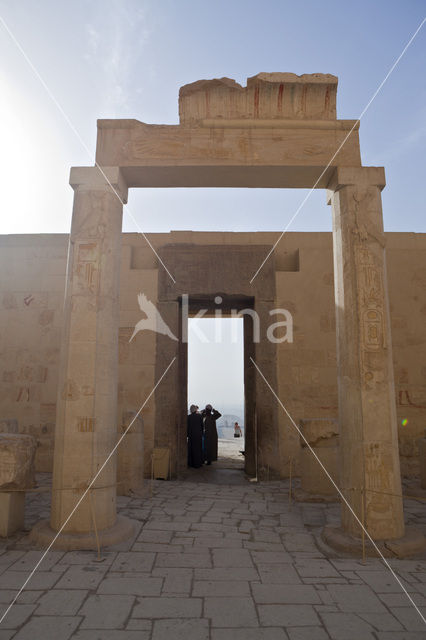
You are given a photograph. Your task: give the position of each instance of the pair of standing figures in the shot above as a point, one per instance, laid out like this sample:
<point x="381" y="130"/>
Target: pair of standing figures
<point x="202" y="435"/>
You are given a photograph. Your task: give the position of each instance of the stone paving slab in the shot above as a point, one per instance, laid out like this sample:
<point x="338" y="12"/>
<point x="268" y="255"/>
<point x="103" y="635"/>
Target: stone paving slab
<point x="133" y="561"/>
<point x="223" y="573"/>
<point x="177" y="629"/>
<point x="64" y="602"/>
<point x="307" y="633"/>
<point x="81" y="577"/>
<point x="213" y="561"/>
<point x="275" y="633"/>
<point x="183" y="560"/>
<point x="106" y="611"/>
<point x="356" y="598"/>
<point x="278" y="574"/>
<point x="283" y="594"/>
<point x="137" y="586"/>
<point x="231" y="612"/>
<point x="232" y="558"/>
<point x="19" y="614"/>
<point x="347" y="626"/>
<point x="165" y="607"/>
<point x="384" y="582"/>
<point x="39" y="581"/>
<point x="104" y="634"/>
<point x="287" y="615"/>
<point x="48" y="628"/>
<point x="224" y="588"/>
<point x="31" y="558"/>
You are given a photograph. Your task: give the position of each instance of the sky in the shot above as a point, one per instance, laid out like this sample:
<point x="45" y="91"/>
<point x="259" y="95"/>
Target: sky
<point x="65" y="64"/>
<point x="128" y="58"/>
<point x="212" y="378"/>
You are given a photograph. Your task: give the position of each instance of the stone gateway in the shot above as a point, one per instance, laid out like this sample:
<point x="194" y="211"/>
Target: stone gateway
<point x="86" y="377"/>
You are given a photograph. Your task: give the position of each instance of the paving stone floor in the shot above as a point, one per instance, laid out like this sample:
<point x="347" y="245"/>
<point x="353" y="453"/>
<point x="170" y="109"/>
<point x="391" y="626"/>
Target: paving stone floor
<point x="215" y="557"/>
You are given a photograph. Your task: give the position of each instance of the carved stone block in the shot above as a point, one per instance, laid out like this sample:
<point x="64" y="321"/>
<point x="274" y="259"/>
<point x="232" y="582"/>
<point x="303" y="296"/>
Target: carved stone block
<point x="17" y="453"/>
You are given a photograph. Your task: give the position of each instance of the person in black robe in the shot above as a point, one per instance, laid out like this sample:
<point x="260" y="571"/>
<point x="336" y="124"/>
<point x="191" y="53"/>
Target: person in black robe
<point x="210" y="416"/>
<point x="195" y="438"/>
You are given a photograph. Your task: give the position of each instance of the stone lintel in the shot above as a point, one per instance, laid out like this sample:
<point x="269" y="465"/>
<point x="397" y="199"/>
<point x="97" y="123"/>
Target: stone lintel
<point x="99" y="179"/>
<point x="360" y="176"/>
<point x="234" y="156"/>
<point x="252" y="123"/>
<point x="235" y="123"/>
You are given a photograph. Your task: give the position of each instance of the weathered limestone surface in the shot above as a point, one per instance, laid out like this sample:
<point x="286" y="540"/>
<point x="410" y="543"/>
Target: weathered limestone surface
<point x="322" y="435"/>
<point x="86" y="429"/>
<point x="422" y="455"/>
<point x="205" y="273"/>
<point x="17" y="453"/>
<point x="130" y="461"/>
<point x="12" y="512"/>
<point x="367" y="416"/>
<point x="306" y="368"/>
<point x="266" y="96"/>
<point x="279" y="131"/>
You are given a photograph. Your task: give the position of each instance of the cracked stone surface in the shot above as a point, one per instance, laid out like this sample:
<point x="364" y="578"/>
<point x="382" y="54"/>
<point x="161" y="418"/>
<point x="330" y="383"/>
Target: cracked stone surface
<point x="215" y="558"/>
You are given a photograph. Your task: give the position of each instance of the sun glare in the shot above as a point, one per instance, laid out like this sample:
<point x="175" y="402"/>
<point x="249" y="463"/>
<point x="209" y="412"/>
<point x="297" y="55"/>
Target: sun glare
<point x="21" y="162"/>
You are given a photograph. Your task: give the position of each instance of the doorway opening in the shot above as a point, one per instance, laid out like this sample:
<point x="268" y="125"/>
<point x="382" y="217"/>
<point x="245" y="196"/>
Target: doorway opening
<point x="216" y="377"/>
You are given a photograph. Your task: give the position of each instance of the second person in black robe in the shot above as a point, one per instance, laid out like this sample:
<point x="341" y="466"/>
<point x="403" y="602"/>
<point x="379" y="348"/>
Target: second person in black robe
<point x="195" y="438"/>
<point x="210" y="416"/>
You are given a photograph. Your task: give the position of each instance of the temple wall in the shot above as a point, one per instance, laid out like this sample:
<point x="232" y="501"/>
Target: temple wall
<point x="32" y="277"/>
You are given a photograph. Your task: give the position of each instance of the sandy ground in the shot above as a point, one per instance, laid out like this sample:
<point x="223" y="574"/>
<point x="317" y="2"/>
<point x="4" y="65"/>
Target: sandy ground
<point x="229" y="456"/>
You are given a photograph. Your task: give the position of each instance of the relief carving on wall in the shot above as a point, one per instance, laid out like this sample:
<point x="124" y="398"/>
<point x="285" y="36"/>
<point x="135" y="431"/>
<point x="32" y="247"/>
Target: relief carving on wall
<point x="405" y="399"/>
<point x="70" y="390"/>
<point x="87" y="267"/>
<point x="86" y="424"/>
<point x="370" y="291"/>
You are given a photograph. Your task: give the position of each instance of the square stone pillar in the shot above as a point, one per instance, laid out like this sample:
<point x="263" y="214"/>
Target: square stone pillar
<point x="86" y="429"/>
<point x="367" y="413"/>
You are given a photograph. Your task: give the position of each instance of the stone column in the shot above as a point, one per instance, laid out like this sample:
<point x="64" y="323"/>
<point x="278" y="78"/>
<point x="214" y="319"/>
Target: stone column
<point x="367" y="412"/>
<point x="86" y="429"/>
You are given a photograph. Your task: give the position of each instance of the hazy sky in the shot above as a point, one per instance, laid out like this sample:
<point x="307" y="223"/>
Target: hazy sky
<point x="128" y="58"/>
<point x="216" y="378"/>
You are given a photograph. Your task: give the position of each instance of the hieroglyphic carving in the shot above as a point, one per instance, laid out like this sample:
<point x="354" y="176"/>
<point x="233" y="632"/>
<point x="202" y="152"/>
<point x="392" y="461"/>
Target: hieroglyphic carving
<point x="377" y="466"/>
<point x="86" y="424"/>
<point x="371" y="300"/>
<point x="25" y="374"/>
<point x="70" y="390"/>
<point x="124" y="335"/>
<point x="404" y="400"/>
<point x="372" y="322"/>
<point x="23" y="394"/>
<point x="365" y="212"/>
<point x="87" y="268"/>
